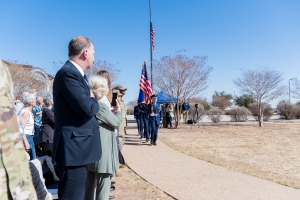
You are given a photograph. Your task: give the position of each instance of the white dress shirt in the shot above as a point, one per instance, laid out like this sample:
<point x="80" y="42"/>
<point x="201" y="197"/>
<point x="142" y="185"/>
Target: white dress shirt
<point x="78" y="67"/>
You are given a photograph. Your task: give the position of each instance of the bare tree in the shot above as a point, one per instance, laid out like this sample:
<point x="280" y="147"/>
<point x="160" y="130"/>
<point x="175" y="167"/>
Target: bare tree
<point x="131" y="104"/>
<point x="23" y="78"/>
<point x="221" y="102"/>
<point x="263" y="84"/>
<point x="97" y="66"/>
<point x="103" y="65"/>
<point x="181" y="77"/>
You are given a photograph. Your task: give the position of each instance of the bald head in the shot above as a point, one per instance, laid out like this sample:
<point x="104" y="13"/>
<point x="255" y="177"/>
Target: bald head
<point x="78" y="44"/>
<point x="81" y="51"/>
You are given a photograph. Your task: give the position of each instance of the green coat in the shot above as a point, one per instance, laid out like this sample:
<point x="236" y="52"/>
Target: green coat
<point x="109" y="162"/>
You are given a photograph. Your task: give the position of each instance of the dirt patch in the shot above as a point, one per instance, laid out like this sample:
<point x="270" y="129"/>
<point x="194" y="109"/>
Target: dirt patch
<point x="130" y="186"/>
<point x="271" y="152"/>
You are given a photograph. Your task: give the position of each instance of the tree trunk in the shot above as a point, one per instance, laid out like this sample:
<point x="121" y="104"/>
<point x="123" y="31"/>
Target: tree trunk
<point x="177" y="116"/>
<point x="260" y="115"/>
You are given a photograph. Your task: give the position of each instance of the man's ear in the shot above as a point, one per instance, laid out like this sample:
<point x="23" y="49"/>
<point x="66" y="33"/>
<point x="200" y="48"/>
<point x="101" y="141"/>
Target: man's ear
<point x="85" y="53"/>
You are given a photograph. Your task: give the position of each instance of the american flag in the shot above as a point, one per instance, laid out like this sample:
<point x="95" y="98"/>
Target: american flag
<point x="152" y="33"/>
<point x="145" y="87"/>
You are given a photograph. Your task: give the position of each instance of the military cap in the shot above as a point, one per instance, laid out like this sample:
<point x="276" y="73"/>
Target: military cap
<point x="120" y="87"/>
<point x="154" y="95"/>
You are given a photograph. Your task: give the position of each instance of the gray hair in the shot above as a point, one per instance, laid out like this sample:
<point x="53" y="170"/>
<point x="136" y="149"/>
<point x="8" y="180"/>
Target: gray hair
<point x="28" y="99"/>
<point x="48" y="99"/>
<point x="99" y="86"/>
<point x="78" y="44"/>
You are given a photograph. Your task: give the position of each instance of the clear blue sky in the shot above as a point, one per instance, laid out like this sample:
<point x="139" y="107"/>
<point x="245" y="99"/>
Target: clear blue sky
<point x="233" y="34"/>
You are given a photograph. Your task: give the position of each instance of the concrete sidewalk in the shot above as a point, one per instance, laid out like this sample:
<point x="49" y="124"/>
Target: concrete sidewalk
<point x="185" y="177"/>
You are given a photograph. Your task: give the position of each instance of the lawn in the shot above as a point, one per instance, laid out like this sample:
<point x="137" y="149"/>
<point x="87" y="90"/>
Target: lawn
<point x="271" y="152"/>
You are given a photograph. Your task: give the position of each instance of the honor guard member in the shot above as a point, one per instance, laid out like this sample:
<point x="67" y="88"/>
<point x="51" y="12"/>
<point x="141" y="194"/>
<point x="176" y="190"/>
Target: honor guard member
<point x="123" y="125"/>
<point x="154" y="119"/>
<point x="145" y="111"/>
<point x="138" y="117"/>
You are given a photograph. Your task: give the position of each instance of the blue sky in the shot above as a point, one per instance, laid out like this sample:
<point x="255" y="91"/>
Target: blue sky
<point x="233" y="34"/>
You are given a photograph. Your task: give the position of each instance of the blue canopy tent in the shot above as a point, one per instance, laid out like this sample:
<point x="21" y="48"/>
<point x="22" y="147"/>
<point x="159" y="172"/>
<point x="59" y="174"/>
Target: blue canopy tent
<point x="162" y="97"/>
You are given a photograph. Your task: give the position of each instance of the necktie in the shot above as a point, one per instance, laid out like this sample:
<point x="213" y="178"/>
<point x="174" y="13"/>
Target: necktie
<point x="85" y="78"/>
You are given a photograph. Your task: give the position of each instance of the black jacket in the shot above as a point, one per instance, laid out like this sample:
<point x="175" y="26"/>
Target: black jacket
<point x="76" y="134"/>
<point x="48" y="121"/>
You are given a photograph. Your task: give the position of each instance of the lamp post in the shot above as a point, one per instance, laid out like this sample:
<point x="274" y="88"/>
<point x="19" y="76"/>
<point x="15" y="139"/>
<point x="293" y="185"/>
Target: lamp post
<point x="290" y="88"/>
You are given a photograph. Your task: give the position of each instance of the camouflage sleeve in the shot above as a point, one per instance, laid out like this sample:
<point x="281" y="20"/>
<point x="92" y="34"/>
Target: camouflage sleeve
<point x="15" y="177"/>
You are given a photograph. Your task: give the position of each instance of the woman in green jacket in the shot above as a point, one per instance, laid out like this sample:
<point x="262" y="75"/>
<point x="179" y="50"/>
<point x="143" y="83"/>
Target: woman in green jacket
<point x="99" y="173"/>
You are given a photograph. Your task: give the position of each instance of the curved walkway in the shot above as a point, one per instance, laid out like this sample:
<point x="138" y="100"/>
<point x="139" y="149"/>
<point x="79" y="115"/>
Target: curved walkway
<point x="185" y="177"/>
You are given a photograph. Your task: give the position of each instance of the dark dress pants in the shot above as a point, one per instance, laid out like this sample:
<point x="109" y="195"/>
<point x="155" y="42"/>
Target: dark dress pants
<point x="72" y="182"/>
<point x="154" y="129"/>
<point x="139" y="122"/>
<point x="169" y="120"/>
<point x="146" y="127"/>
<point x="37" y="130"/>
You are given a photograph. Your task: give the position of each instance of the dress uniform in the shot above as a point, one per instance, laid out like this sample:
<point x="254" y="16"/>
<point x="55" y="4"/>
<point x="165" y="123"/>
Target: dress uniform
<point x="138" y="117"/>
<point x="154" y="119"/>
<point x="144" y="109"/>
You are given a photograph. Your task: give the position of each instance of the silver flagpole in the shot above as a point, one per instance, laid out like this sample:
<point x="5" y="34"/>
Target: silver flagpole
<point x="150" y="7"/>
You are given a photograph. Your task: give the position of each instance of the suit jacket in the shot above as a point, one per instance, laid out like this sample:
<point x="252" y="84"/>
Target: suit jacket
<point x="109" y="162"/>
<point x="157" y="111"/>
<point x="76" y="133"/>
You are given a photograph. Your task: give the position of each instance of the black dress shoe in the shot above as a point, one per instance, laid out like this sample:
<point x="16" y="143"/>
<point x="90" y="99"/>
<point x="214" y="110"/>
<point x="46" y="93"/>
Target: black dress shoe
<point x="154" y="143"/>
<point x="111" y="197"/>
<point x="112" y="187"/>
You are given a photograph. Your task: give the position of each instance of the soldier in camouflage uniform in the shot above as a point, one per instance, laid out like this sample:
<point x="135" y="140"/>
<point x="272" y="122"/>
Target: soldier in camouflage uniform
<point x="122" y="129"/>
<point x="15" y="177"/>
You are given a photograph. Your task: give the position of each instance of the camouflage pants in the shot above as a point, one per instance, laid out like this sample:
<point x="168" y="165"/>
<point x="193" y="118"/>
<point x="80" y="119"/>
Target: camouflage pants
<point x="122" y="133"/>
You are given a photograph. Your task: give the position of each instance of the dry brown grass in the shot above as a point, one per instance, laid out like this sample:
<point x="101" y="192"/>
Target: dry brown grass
<point x="271" y="152"/>
<point x="130" y="186"/>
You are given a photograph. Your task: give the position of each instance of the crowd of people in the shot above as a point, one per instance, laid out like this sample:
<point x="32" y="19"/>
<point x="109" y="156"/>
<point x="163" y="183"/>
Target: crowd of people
<point x="85" y="133"/>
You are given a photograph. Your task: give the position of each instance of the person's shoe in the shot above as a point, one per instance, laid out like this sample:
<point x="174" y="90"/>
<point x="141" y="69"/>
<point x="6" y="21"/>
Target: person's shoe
<point x="118" y="174"/>
<point x="122" y="166"/>
<point x="112" y="187"/>
<point x="141" y="137"/>
<point x="111" y="197"/>
<point x="113" y="182"/>
<point x="154" y="143"/>
<point x="151" y="143"/>
<point x="147" y="140"/>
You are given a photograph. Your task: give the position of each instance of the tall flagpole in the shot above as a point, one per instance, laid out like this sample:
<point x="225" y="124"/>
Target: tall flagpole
<point x="151" y="45"/>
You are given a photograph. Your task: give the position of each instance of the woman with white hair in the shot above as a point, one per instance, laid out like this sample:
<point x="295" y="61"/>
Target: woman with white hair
<point x="26" y="125"/>
<point x="99" y="173"/>
<point x="48" y="121"/>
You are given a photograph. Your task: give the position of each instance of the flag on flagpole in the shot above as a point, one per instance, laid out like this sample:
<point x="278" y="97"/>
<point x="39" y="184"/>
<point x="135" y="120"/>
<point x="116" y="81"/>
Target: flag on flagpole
<point x="152" y="33"/>
<point x="145" y="87"/>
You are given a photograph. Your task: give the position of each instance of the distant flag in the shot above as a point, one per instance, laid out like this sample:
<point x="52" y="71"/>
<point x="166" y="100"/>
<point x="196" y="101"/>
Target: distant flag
<point x="145" y="87"/>
<point x="152" y="32"/>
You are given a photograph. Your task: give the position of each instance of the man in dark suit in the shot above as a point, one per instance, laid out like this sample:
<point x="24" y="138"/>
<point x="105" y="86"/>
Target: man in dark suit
<point x="76" y="134"/>
<point x="154" y="119"/>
